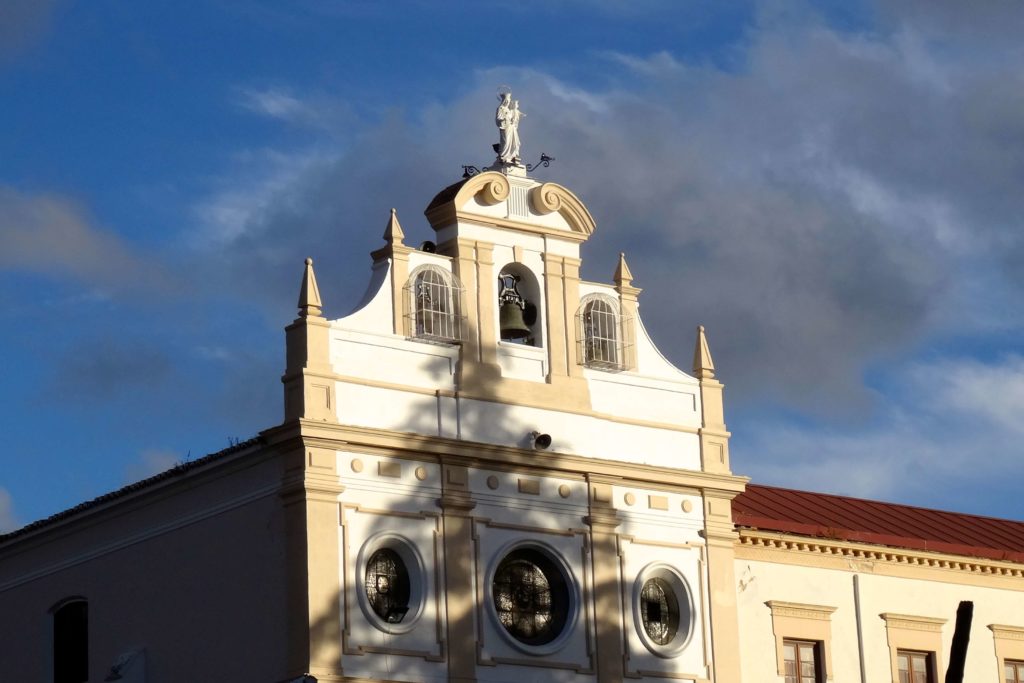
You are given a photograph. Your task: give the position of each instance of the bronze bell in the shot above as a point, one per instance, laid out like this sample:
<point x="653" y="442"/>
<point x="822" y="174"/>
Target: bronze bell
<point x="511" y="307"/>
<point x="512" y="324"/>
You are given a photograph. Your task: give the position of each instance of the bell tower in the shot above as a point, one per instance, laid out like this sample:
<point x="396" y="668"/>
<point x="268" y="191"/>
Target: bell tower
<point x="523" y="487"/>
<point x="515" y="245"/>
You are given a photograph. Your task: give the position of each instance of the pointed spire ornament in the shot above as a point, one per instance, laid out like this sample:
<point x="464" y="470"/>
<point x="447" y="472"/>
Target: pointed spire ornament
<point x="622" y="275"/>
<point x="703" y="366"/>
<point x="309" y="294"/>
<point x="393" y="233"/>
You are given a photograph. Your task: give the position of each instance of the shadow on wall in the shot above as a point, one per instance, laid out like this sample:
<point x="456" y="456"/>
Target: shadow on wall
<point x="500" y="422"/>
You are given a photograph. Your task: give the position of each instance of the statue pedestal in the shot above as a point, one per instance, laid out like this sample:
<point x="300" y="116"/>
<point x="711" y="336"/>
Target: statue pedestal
<point x="517" y="170"/>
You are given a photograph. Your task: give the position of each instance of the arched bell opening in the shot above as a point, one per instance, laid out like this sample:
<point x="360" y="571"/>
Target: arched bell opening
<point x="520" y="319"/>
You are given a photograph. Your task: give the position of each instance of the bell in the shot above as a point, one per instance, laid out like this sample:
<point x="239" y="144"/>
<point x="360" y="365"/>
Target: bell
<point x="513" y="326"/>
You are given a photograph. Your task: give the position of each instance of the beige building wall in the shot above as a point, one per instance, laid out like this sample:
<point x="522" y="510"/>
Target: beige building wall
<point x="191" y="571"/>
<point x="904" y="600"/>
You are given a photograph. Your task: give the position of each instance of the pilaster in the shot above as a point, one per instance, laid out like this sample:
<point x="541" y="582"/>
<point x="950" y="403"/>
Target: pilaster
<point x="720" y="536"/>
<point x="603" y="520"/>
<point x="473" y="264"/>
<point x="310" y="491"/>
<point x="459" y="571"/>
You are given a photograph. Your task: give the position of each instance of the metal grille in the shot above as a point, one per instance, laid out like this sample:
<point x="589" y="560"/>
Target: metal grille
<point x="530" y="597"/>
<point x="432" y="306"/>
<point x="601" y="332"/>
<point x="659" y="611"/>
<point x="387" y="585"/>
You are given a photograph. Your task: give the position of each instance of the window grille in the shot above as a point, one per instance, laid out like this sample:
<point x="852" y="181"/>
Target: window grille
<point x="530" y="597"/>
<point x="601" y="335"/>
<point x="659" y="611"/>
<point x="387" y="585"/>
<point x="432" y="305"/>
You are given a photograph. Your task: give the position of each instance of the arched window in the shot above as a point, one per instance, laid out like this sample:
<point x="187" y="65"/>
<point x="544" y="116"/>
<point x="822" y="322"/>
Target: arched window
<point x="600" y="332"/>
<point x="433" y="297"/>
<point x="71" y="641"/>
<point x="519" y="303"/>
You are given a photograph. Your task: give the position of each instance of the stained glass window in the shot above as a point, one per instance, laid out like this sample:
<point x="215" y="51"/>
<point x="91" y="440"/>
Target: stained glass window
<point x="659" y="611"/>
<point x="387" y="585"/>
<point x="530" y="597"/>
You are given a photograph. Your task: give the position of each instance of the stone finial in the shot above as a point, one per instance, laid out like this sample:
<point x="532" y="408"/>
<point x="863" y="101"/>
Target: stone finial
<point x="622" y="275"/>
<point x="309" y="294"/>
<point x="703" y="366"/>
<point x="393" y="233"/>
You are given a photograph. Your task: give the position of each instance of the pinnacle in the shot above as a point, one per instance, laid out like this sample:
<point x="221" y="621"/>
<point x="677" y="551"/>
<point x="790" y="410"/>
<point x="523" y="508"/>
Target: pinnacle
<point x="309" y="293"/>
<point x="703" y="366"/>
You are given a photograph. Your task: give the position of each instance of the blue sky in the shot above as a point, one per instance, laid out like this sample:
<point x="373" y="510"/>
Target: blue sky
<point x="832" y="189"/>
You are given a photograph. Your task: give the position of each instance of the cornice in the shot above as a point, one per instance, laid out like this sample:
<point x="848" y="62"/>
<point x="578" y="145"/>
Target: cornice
<point x="800" y="610"/>
<point x="912" y="622"/>
<point x="1006" y="632"/>
<point x="492" y="187"/>
<point x="476" y="454"/>
<point x="840" y="554"/>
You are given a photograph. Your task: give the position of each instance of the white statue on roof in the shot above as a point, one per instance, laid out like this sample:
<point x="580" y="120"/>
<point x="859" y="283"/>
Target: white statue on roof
<point x="507" y="119"/>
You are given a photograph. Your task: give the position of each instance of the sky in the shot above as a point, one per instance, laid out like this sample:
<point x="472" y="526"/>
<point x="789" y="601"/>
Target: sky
<point x="835" y="190"/>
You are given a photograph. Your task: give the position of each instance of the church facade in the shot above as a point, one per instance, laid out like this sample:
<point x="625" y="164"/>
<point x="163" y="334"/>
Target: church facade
<point x="487" y="472"/>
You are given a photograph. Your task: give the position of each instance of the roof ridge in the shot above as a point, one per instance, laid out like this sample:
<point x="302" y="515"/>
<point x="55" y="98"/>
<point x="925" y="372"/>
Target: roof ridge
<point x="177" y="470"/>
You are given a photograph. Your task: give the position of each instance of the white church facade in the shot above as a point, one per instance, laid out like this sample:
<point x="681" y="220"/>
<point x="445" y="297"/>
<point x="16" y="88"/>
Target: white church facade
<point x="488" y="473"/>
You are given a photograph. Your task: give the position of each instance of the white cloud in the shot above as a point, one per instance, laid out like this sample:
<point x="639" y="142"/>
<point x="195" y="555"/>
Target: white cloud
<point x="262" y="181"/>
<point x="319" y="112"/>
<point x="50" y="234"/>
<point x="274" y="103"/>
<point x="150" y="462"/>
<point x="8" y="519"/>
<point x="949" y="437"/>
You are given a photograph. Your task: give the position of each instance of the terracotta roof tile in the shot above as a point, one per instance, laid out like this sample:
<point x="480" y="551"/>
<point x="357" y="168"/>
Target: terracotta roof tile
<point x="868" y="521"/>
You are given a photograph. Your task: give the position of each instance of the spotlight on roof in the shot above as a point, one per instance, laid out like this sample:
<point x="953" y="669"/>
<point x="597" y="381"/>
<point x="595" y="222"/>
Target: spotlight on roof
<point x="541" y="442"/>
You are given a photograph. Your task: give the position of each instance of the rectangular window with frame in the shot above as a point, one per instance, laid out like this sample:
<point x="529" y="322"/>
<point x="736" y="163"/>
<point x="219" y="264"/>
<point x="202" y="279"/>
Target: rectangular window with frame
<point x="1014" y="671"/>
<point x="916" y="667"/>
<point x="803" y="661"/>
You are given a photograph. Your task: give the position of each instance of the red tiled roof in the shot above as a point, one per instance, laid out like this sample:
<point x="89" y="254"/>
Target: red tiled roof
<point x="868" y="521"/>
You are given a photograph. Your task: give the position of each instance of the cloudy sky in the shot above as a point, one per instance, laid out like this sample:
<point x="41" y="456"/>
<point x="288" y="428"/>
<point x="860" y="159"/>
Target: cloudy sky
<point x="835" y="190"/>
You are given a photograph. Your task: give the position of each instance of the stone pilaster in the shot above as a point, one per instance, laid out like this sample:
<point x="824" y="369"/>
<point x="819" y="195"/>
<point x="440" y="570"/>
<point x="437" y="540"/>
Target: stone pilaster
<point x="310" y="491"/>
<point x="459" y="568"/>
<point x="603" y="520"/>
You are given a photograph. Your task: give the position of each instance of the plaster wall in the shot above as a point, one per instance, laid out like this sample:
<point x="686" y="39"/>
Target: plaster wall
<point x="511" y="425"/>
<point x="388" y="497"/>
<point x="185" y="572"/>
<point x="761" y="581"/>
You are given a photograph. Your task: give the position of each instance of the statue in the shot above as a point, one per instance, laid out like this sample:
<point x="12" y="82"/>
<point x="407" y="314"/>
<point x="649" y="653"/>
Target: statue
<point x="507" y="119"/>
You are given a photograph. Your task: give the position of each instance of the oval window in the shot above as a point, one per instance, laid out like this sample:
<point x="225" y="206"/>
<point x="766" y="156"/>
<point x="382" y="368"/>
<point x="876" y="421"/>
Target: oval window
<point x="387" y="585"/>
<point x="531" y="596"/>
<point x="663" y="610"/>
<point x="659" y="611"/>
